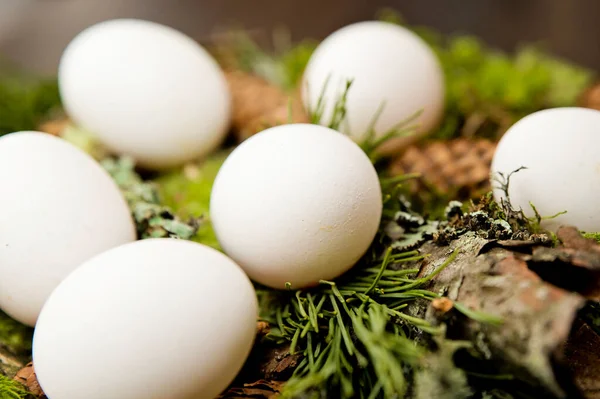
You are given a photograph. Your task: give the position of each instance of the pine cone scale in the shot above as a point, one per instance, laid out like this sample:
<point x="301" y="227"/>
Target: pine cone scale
<point x="454" y="166"/>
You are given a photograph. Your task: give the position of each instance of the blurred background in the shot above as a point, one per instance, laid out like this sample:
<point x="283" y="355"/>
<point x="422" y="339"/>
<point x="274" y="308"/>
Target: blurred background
<point x="33" y="33"/>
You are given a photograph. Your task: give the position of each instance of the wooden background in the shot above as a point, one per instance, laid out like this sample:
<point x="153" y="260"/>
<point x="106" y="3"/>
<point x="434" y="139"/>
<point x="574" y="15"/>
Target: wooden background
<point x="34" y="32"/>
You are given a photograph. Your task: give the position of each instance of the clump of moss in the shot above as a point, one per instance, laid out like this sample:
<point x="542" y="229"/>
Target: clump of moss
<point x="593" y="236"/>
<point x="487" y="90"/>
<point x="15" y="336"/>
<point x="25" y="102"/>
<point x="187" y="191"/>
<point x="11" y="389"/>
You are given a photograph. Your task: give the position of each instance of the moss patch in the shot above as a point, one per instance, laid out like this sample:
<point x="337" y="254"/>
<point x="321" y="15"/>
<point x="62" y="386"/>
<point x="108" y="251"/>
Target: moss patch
<point x="187" y="192"/>
<point x="10" y="389"/>
<point x="14" y="336"/>
<point x="25" y="102"/>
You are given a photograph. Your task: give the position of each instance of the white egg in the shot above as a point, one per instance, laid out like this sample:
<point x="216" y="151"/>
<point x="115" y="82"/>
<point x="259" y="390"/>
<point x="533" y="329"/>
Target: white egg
<point x="145" y="90"/>
<point x="561" y="150"/>
<point x="295" y="204"/>
<point x="391" y="67"/>
<point x="58" y="208"/>
<point x="158" y="318"/>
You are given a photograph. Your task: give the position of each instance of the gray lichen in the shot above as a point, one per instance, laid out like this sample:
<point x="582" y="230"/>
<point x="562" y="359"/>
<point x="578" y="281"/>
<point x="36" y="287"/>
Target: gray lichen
<point x="152" y="219"/>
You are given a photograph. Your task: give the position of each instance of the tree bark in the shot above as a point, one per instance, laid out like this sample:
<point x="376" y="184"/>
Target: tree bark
<point x="537" y="317"/>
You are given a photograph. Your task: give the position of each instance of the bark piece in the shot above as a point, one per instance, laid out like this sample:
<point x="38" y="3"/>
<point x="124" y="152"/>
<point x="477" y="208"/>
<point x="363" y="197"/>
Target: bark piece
<point x="261" y="389"/>
<point x="583" y="358"/>
<point x="9" y="363"/>
<point x="493" y="277"/>
<point x="571" y="238"/>
<point x="278" y="363"/>
<point x="265" y="370"/>
<point x="536" y="316"/>
<point x="27" y="377"/>
<point x="575" y="265"/>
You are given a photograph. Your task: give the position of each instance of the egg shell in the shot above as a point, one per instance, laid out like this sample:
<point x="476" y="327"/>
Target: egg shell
<point x="560" y="148"/>
<point x="296" y="204"/>
<point x="155" y="319"/>
<point x="58" y="208"/>
<point x="389" y="66"/>
<point x="146" y="90"/>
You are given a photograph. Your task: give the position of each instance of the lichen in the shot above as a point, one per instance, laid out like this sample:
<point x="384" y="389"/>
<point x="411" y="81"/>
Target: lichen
<point x="490" y="220"/>
<point x="152" y="218"/>
<point x="441" y="379"/>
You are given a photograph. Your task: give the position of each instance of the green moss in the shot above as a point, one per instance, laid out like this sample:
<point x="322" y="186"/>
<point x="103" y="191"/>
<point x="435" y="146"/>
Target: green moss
<point x="187" y="192"/>
<point x="25" y="102"/>
<point x="15" y="336"/>
<point x="488" y="90"/>
<point x="594" y="236"/>
<point x="10" y="389"/>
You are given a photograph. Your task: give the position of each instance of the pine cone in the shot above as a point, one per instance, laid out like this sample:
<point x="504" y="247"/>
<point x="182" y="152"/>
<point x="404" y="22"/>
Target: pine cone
<point x="257" y="105"/>
<point x="460" y="167"/>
